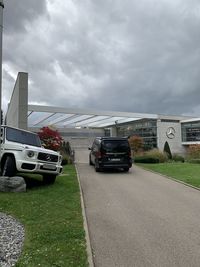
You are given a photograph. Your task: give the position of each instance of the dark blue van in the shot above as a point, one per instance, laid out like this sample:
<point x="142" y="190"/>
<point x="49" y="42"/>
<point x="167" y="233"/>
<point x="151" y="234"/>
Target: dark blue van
<point x="110" y="153"/>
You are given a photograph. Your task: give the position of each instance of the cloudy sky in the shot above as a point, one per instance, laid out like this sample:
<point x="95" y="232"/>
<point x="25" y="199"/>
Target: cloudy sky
<point x="120" y="55"/>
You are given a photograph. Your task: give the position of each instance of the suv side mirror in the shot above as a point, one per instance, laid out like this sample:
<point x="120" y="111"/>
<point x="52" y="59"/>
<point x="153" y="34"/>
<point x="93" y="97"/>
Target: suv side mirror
<point x="89" y="148"/>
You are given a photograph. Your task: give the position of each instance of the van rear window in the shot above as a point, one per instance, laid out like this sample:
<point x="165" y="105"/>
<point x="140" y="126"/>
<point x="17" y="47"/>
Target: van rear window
<point x="115" y="146"/>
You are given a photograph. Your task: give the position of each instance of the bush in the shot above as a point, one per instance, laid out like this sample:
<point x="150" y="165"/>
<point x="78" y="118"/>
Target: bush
<point x="65" y="161"/>
<point x="193" y="151"/>
<point x="178" y="158"/>
<point x="155" y="153"/>
<point x="146" y="159"/>
<point x="195" y="161"/>
<point x="151" y="156"/>
<point x="50" y="138"/>
<point x="136" y="143"/>
<point x="67" y="153"/>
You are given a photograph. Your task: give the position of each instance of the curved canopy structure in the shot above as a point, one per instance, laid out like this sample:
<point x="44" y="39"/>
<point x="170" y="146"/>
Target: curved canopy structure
<point x="39" y="116"/>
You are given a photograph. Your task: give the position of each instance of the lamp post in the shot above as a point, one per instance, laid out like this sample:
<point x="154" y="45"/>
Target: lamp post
<point x="1" y="37"/>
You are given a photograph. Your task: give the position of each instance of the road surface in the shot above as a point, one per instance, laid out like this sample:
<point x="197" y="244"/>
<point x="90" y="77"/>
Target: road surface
<point x="140" y="218"/>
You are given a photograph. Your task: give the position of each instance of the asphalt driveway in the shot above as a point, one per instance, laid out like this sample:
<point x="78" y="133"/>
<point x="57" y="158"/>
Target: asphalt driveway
<point x="140" y="218"/>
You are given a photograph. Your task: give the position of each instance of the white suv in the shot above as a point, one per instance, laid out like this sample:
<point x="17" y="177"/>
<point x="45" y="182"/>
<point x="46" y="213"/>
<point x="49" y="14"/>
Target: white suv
<point x="21" y="151"/>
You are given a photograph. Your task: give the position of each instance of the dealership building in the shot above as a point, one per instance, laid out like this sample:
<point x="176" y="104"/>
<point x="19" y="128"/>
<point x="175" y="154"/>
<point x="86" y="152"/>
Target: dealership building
<point x="81" y="126"/>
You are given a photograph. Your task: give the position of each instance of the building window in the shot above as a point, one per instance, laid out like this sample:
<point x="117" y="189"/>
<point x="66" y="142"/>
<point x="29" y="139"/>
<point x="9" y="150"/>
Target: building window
<point x="190" y="131"/>
<point x="147" y="129"/>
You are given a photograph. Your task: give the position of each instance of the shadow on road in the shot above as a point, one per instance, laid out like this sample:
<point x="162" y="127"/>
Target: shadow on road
<point x="107" y="171"/>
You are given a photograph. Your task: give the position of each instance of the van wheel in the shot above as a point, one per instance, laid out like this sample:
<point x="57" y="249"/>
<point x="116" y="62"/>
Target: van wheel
<point x="97" y="169"/>
<point x="126" y="169"/>
<point x="90" y="162"/>
<point x="49" y="178"/>
<point x="9" y="167"/>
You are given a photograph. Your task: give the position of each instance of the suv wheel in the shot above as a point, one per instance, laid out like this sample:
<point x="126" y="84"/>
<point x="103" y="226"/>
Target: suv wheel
<point x="9" y="167"/>
<point x="49" y="178"/>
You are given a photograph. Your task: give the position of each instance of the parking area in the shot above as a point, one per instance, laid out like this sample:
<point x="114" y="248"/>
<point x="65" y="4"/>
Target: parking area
<point x="139" y="218"/>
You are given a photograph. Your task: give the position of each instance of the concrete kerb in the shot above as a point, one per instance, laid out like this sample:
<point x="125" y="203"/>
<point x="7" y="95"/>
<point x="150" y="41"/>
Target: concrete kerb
<point x="85" y="224"/>
<point x="170" y="178"/>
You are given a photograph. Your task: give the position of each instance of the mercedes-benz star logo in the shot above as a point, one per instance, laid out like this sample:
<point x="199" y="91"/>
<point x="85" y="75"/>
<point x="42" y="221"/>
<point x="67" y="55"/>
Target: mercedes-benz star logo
<point x="170" y="132"/>
<point x="48" y="157"/>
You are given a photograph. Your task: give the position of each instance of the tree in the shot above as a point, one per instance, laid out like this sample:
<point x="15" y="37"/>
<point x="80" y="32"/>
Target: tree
<point x="136" y="143"/>
<point x="167" y="150"/>
<point x="50" y="138"/>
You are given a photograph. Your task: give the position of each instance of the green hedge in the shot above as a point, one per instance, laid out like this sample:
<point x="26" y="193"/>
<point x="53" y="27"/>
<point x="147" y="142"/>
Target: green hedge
<point x="157" y="154"/>
<point x="64" y="161"/>
<point x="178" y="158"/>
<point x="146" y="159"/>
<point x="196" y="161"/>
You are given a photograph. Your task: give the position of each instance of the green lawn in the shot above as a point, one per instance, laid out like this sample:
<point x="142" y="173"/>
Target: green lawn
<point x="53" y="222"/>
<point x="186" y="172"/>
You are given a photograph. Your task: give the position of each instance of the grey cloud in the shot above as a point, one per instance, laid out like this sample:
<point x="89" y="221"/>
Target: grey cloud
<point x="18" y="13"/>
<point x="139" y="56"/>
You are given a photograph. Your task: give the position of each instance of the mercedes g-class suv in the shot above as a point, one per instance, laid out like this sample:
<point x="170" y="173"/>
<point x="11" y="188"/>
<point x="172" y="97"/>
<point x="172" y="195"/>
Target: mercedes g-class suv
<point x="21" y="151"/>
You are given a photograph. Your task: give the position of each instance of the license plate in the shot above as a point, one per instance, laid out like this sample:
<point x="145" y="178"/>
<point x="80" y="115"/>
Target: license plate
<point x="115" y="159"/>
<point x="49" y="167"/>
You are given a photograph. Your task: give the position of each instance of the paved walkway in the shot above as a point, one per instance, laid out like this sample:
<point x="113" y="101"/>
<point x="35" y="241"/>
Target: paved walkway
<point x="140" y="218"/>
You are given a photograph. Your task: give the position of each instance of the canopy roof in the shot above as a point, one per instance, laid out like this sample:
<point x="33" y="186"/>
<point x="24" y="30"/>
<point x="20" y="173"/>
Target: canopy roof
<point x="39" y="116"/>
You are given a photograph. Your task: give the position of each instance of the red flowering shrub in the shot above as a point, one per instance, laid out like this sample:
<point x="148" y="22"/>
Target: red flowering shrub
<point x="51" y="139"/>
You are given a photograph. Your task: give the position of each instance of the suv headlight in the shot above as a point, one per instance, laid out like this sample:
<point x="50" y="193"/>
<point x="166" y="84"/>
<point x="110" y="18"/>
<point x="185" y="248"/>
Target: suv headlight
<point x="30" y="154"/>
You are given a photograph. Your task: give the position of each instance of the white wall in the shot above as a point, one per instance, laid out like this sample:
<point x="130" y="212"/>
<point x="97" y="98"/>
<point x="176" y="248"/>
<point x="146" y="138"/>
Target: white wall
<point x="175" y="143"/>
<point x="76" y="137"/>
<point x="18" y="107"/>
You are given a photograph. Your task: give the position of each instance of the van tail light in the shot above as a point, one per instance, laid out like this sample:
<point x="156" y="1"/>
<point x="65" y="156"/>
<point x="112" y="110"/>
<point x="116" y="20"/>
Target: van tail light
<point x="98" y="155"/>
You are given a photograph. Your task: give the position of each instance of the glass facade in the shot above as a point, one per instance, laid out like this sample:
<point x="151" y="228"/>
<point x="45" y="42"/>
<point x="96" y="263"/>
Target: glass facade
<point x="147" y="129"/>
<point x="81" y="134"/>
<point x="190" y="131"/>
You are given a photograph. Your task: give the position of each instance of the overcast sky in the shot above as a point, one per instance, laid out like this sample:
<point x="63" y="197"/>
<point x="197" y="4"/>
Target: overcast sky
<point x="120" y="55"/>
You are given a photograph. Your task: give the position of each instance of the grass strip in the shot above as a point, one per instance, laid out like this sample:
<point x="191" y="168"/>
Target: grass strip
<point x="52" y="216"/>
<point x="186" y="172"/>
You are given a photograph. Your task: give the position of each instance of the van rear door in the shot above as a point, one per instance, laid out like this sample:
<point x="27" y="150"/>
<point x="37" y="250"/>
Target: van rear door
<point x="116" y="151"/>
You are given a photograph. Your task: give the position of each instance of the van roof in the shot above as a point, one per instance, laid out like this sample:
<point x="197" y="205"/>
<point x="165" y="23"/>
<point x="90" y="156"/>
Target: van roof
<point x="112" y="138"/>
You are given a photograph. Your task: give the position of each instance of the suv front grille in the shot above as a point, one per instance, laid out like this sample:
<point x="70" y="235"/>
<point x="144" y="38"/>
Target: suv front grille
<point x="47" y="157"/>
